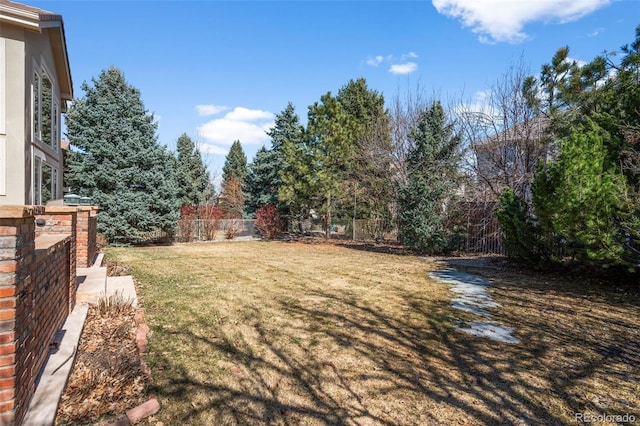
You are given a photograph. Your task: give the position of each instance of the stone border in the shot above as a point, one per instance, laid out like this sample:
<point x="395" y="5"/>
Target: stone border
<point x="151" y="406"/>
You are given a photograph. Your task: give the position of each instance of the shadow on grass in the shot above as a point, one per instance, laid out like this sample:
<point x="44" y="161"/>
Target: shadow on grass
<point x="338" y="360"/>
<point x="411" y="370"/>
<point x="378" y="248"/>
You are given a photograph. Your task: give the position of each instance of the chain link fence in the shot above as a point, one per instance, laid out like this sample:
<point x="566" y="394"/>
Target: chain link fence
<point x="483" y="233"/>
<point x="212" y="229"/>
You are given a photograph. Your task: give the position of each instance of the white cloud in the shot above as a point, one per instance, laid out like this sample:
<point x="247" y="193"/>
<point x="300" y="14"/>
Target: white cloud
<point x="206" y="148"/>
<point x="245" y="114"/>
<point x="480" y="104"/>
<point x="406" y="68"/>
<point x="504" y="20"/>
<point x="243" y="124"/>
<point x="374" y="62"/>
<point x="410" y="55"/>
<point x="204" y="110"/>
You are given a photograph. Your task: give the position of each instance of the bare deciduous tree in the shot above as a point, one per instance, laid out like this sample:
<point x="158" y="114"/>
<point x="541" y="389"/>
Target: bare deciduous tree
<point x="505" y="136"/>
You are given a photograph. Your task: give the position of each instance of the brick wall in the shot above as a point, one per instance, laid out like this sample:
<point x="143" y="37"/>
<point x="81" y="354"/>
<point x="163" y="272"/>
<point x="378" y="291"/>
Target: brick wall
<point x="34" y="302"/>
<point x="86" y="230"/>
<point x="62" y="220"/>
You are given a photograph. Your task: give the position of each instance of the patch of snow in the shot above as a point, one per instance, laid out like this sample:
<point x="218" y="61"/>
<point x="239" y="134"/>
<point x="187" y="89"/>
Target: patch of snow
<point x="472" y="296"/>
<point x="491" y="329"/>
<point x="463" y="304"/>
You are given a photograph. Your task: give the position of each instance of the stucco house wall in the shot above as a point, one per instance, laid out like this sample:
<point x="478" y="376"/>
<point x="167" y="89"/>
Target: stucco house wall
<point x="32" y="51"/>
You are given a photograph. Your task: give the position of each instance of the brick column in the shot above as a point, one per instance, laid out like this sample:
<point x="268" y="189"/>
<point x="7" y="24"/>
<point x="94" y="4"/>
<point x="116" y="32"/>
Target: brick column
<point x="63" y="220"/>
<point x="86" y="236"/>
<point x="17" y="261"/>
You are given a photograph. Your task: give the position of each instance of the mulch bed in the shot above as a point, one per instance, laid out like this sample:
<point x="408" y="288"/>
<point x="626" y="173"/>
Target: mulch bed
<point x="108" y="376"/>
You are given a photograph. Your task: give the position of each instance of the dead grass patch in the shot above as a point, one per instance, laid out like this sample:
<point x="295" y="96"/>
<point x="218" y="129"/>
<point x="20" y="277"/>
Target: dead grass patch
<point x="295" y="333"/>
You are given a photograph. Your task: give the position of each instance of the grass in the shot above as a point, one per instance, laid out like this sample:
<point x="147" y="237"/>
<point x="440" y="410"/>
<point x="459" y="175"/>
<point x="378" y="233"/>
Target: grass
<point x="299" y="333"/>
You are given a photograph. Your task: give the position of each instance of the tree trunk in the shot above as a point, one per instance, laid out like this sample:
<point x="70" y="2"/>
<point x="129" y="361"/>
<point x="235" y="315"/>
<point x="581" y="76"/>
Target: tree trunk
<point x="327" y="232"/>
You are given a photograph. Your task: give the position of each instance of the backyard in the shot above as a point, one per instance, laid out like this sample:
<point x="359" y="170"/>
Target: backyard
<point x="308" y="333"/>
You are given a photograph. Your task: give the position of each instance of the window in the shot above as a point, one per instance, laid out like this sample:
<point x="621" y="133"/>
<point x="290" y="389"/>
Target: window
<point x="45" y="181"/>
<point x="37" y="166"/>
<point x="45" y="111"/>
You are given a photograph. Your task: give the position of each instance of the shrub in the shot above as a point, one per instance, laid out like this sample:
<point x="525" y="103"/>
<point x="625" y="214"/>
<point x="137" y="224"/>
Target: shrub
<point x="211" y="216"/>
<point x="268" y="221"/>
<point x="519" y="235"/>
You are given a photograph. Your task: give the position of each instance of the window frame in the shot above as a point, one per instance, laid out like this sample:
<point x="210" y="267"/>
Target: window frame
<point x="36" y="123"/>
<point x="41" y="71"/>
<point x="39" y="162"/>
<point x="3" y="124"/>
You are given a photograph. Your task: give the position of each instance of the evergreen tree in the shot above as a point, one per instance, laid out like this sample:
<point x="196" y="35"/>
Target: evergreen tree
<point x="194" y="186"/>
<point x="521" y="237"/>
<point x="580" y="198"/>
<point x="587" y="199"/>
<point x="298" y="182"/>
<point x="235" y="164"/>
<point x="287" y="128"/>
<point x="118" y="162"/>
<point x="331" y="136"/>
<point x="263" y="179"/>
<point x="263" y="182"/>
<point x="364" y="105"/>
<point x="432" y="173"/>
<point x="234" y="172"/>
<point x="372" y="156"/>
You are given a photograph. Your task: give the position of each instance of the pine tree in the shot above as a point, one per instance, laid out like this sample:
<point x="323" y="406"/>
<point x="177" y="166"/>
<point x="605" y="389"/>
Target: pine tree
<point x="432" y="173"/>
<point x="587" y="199"/>
<point x="193" y="178"/>
<point x="118" y="162"/>
<point x="580" y="197"/>
<point x="263" y="181"/>
<point x="331" y="136"/>
<point x="372" y="156"/>
<point x="298" y="183"/>
<point x="235" y="164"/>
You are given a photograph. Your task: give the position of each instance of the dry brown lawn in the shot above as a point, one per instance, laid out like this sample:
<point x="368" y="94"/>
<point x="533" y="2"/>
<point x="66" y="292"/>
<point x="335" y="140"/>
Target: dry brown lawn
<point x="298" y="333"/>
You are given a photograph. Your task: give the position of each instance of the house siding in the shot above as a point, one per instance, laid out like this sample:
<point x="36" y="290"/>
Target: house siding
<point x="15" y="110"/>
<point x="23" y="52"/>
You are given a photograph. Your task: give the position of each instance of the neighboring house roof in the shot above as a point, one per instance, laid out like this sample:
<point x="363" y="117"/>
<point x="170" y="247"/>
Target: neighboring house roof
<point x="531" y="130"/>
<point x="34" y="19"/>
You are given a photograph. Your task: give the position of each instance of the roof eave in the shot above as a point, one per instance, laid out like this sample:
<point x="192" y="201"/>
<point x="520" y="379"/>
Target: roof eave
<point x="17" y="16"/>
<point x="63" y="70"/>
<point x="40" y="20"/>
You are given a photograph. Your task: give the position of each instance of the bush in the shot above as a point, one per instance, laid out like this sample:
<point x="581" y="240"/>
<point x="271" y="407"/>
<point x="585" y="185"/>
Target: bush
<point x="211" y="216"/>
<point x="232" y="227"/>
<point x="199" y="222"/>
<point x="519" y="235"/>
<point x="268" y="221"/>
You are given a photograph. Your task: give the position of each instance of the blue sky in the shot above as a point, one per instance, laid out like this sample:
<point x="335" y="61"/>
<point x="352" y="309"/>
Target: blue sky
<point x="220" y="70"/>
